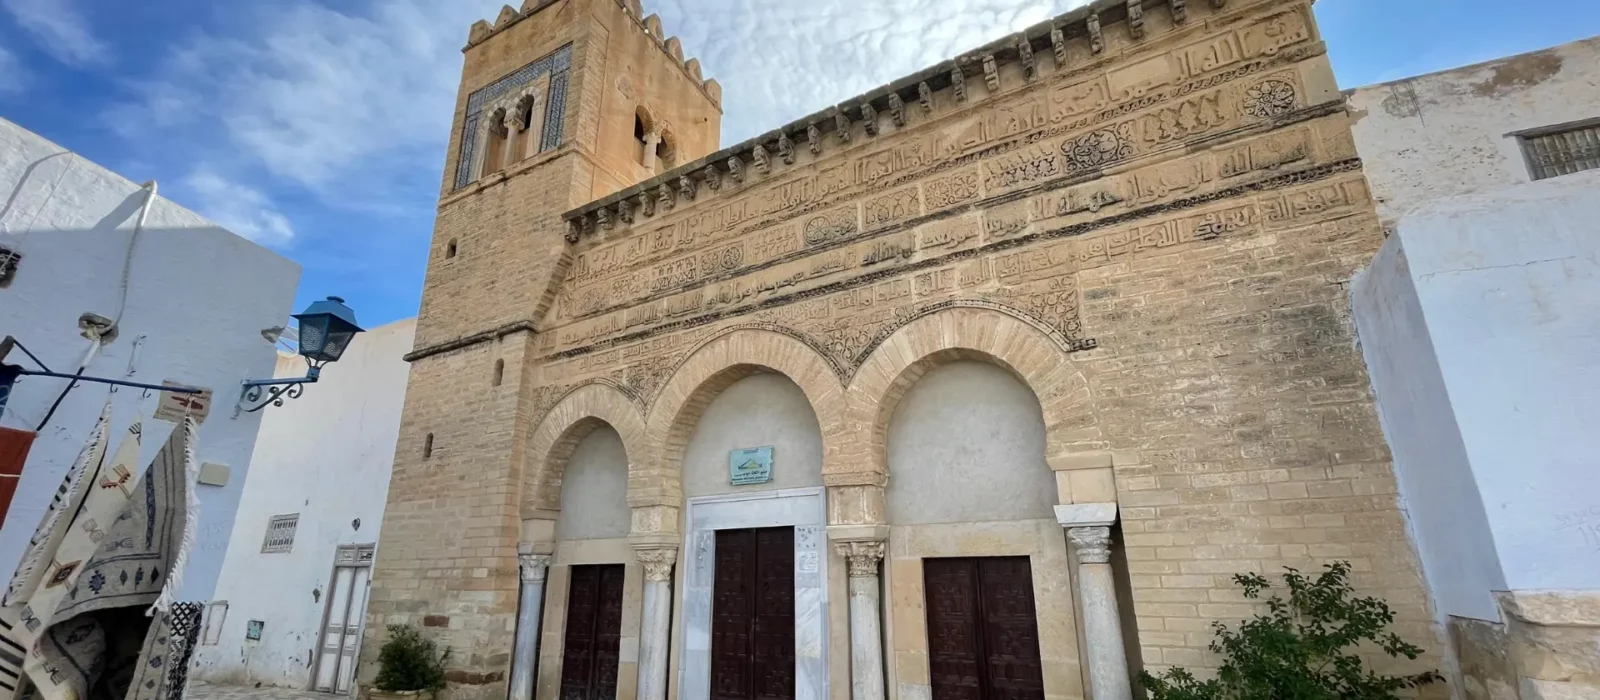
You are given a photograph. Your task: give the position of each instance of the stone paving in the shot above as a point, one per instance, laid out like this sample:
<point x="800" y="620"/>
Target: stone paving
<point x="208" y="691"/>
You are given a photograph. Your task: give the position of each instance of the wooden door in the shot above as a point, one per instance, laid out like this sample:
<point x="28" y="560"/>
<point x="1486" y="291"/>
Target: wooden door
<point x="752" y="615"/>
<point x="341" y="626"/>
<point x="983" y="633"/>
<point x="594" y="630"/>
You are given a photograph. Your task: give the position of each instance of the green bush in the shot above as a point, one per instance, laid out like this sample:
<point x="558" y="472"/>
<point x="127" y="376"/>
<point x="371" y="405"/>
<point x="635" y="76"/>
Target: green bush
<point x="1301" y="649"/>
<point x="409" y="661"/>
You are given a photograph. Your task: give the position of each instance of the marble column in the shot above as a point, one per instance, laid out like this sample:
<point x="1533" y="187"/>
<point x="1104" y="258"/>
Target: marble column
<point x="513" y="130"/>
<point x="1097" y="602"/>
<point x="530" y="610"/>
<point x="866" y="614"/>
<point x="648" y="159"/>
<point x="655" y="631"/>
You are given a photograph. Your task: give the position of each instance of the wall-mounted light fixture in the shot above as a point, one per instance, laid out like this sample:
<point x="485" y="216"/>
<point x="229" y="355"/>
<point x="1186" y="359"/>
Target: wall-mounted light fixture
<point x="326" y="329"/>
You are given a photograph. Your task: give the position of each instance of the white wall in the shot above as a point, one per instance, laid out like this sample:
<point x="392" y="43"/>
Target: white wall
<point x="1447" y="133"/>
<point x="1437" y="489"/>
<point x="326" y="456"/>
<point x="973" y="429"/>
<point x="594" y="489"/>
<point x="1507" y="283"/>
<point x="198" y="301"/>
<point x="766" y="409"/>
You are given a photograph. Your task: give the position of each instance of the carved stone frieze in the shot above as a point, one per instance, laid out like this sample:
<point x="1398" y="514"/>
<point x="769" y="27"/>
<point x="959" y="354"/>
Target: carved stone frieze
<point x="1269" y="98"/>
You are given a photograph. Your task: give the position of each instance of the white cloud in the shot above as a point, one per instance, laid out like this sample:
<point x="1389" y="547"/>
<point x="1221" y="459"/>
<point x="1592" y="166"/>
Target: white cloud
<point x="59" y="29"/>
<point x="12" y="78"/>
<point x="355" y="105"/>
<point x="239" y="208"/>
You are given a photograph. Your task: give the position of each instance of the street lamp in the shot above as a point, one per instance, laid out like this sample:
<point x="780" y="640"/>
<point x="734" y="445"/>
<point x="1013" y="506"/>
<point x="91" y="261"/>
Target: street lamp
<point x="326" y="329"/>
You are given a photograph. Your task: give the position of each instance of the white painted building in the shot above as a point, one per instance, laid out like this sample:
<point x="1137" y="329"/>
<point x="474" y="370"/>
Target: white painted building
<point x="322" y="463"/>
<point x="1480" y="327"/>
<point x="197" y="306"/>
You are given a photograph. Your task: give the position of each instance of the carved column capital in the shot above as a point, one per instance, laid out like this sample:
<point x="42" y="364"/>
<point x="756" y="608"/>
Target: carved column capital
<point x="534" y="567"/>
<point x="1093" y="544"/>
<point x="863" y="557"/>
<point x="657" y="563"/>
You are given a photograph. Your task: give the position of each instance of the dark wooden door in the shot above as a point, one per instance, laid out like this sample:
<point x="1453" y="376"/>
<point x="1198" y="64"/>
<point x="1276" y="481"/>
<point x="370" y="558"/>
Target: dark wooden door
<point x="594" y="630"/>
<point x="983" y="634"/>
<point x="752" y="615"/>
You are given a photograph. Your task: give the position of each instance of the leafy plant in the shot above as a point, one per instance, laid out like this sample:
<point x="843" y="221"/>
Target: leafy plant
<point x="1301" y="649"/>
<point x="409" y="661"/>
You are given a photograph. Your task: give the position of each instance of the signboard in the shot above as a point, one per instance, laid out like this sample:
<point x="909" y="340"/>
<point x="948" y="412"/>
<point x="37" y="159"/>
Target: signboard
<point x="252" y="629"/>
<point x="175" y="406"/>
<point x="750" y="466"/>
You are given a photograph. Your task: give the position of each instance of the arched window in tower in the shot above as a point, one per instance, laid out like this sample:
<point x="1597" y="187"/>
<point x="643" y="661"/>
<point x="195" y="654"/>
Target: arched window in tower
<point x="666" y="153"/>
<point x="499" y="372"/>
<point x="527" y="133"/>
<point x="646" y="138"/>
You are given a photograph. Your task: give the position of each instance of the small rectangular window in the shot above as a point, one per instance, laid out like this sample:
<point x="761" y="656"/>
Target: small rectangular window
<point x="280" y="533"/>
<point x="1562" y="150"/>
<point x="216" y="614"/>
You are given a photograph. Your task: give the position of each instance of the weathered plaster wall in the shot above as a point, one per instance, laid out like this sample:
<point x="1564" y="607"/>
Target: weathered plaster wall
<point x="1448" y="133"/>
<point x="594" y="489"/>
<point x="766" y="409"/>
<point x="326" y="456"/>
<point x="972" y="429"/>
<point x="1445" y="508"/>
<point x="198" y="301"/>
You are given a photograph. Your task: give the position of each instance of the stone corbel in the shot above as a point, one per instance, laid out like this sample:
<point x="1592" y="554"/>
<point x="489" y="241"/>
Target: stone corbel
<point x="786" y="148"/>
<point x="841" y="126"/>
<point x="1097" y="42"/>
<point x="897" y="109"/>
<point x="1058" y="41"/>
<point x="1180" y="10"/>
<point x="736" y="168"/>
<point x="759" y="158"/>
<point x="574" y="230"/>
<point x="713" y="177"/>
<point x="991" y="74"/>
<point x="1136" y="18"/>
<point x="925" y="96"/>
<point x="814" y="139"/>
<point x="625" y="211"/>
<point x="958" y="84"/>
<point x="869" y="118"/>
<point x="647" y="204"/>
<point x="603" y="216"/>
<point x="686" y="188"/>
<point x="665" y="199"/>
<point x="1219" y="4"/>
<point x="1025" y="52"/>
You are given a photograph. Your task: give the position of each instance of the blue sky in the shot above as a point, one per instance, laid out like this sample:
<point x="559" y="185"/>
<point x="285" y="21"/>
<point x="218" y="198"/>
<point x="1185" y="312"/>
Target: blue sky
<point x="317" y="127"/>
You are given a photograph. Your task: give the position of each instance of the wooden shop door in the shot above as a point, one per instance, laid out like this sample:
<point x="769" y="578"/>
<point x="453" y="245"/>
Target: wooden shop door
<point x="983" y="635"/>
<point x="752" y="615"/>
<point x="594" y="632"/>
